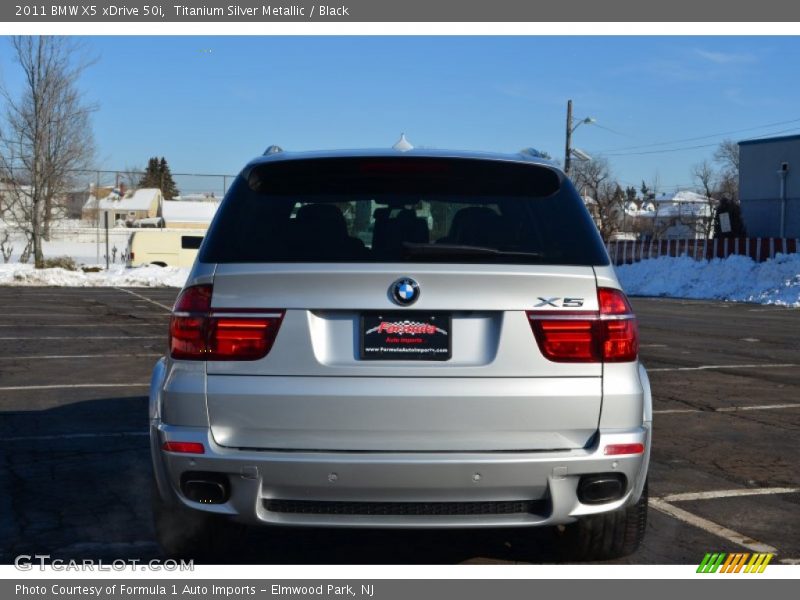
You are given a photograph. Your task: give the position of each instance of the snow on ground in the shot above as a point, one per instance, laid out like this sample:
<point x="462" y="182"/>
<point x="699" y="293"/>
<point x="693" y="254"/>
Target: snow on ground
<point x="83" y="253"/>
<point x="117" y="275"/>
<point x="736" y="278"/>
<point x="84" y="245"/>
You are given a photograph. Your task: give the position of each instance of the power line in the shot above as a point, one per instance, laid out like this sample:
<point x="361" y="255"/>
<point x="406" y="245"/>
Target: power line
<point x="663" y="151"/>
<point x="702" y="137"/>
<point x="614" y="131"/>
<point x="682" y="148"/>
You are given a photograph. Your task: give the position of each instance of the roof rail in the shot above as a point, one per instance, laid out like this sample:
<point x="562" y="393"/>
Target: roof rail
<point x="532" y="152"/>
<point x="273" y="149"/>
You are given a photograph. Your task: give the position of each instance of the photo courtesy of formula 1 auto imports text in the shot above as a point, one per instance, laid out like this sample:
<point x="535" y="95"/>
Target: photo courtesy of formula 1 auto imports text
<point x="375" y="300"/>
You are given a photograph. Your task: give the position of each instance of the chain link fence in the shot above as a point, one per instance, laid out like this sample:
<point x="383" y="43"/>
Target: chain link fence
<point x="81" y="234"/>
<point x="190" y="185"/>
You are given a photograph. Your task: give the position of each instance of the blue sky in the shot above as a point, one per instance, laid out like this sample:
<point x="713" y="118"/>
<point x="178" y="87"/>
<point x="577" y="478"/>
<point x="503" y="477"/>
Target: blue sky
<point x="209" y="104"/>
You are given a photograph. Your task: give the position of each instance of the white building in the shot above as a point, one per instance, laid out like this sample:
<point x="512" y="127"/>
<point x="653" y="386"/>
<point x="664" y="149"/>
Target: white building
<point x="187" y="214"/>
<point x="679" y="215"/>
<point x="144" y="203"/>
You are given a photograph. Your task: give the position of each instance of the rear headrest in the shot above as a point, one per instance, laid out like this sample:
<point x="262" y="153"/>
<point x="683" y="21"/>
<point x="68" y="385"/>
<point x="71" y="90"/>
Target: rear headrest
<point x="411" y="227"/>
<point x="406" y="214"/>
<point x="466" y="215"/>
<point x="328" y="215"/>
<point x="477" y="225"/>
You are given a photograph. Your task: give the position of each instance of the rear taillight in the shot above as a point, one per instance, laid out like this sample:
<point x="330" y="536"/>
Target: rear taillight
<point x="566" y="339"/>
<point x="198" y="332"/>
<point x="620" y="332"/>
<point x="617" y="449"/>
<point x="184" y="447"/>
<point x="607" y="335"/>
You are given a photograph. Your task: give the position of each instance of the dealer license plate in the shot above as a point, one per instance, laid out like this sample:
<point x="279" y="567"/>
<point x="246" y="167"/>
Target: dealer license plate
<point x="405" y="336"/>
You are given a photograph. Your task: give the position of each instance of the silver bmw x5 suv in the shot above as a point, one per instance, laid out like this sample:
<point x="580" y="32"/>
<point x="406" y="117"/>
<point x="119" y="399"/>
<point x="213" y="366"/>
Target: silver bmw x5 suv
<point x="402" y="339"/>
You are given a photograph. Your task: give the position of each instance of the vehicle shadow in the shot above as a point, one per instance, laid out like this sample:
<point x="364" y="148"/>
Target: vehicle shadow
<point x="393" y="546"/>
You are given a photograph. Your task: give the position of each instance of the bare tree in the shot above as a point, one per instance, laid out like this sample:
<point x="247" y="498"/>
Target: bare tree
<point x="6" y="248"/>
<point x="610" y="208"/>
<point x="658" y="227"/>
<point x="727" y="156"/>
<point x="593" y="178"/>
<point x="729" y="186"/>
<point x="707" y="179"/>
<point x="45" y="136"/>
<point x="655" y="184"/>
<point x="588" y="175"/>
<point x="130" y="177"/>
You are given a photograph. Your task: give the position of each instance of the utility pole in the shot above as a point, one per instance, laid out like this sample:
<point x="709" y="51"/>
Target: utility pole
<point x="105" y="213"/>
<point x="568" y="149"/>
<point x="97" y="213"/>
<point x="784" y="170"/>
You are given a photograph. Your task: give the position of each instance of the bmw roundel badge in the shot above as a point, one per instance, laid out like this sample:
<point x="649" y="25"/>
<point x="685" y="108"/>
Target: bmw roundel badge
<point x="405" y="291"/>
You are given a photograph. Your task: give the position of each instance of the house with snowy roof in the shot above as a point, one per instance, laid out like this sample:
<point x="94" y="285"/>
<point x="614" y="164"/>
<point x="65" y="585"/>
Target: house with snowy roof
<point x="679" y="215"/>
<point x="144" y="203"/>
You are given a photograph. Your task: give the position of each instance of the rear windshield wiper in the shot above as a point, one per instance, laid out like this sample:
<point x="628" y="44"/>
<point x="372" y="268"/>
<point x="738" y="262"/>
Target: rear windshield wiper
<point x="433" y="250"/>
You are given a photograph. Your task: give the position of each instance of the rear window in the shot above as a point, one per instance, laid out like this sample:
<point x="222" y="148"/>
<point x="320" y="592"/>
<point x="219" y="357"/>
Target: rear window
<point x="405" y="209"/>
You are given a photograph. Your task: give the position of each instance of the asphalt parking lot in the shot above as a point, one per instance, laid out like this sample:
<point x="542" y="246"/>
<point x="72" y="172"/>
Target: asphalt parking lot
<point x="75" y="471"/>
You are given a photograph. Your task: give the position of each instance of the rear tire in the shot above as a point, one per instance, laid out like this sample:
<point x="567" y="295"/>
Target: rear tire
<point x="605" y="536"/>
<point x="185" y="533"/>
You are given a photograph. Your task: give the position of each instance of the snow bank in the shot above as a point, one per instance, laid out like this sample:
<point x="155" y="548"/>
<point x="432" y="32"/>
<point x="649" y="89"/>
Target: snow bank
<point x="149" y="276"/>
<point x="736" y="278"/>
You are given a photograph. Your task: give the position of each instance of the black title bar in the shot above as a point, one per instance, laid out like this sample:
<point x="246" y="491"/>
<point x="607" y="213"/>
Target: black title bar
<point x="464" y="11"/>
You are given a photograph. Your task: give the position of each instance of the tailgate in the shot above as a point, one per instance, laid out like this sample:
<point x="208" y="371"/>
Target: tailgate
<point x="314" y="391"/>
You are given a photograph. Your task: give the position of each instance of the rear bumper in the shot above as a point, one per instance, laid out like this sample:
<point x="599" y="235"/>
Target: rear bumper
<point x="548" y="479"/>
